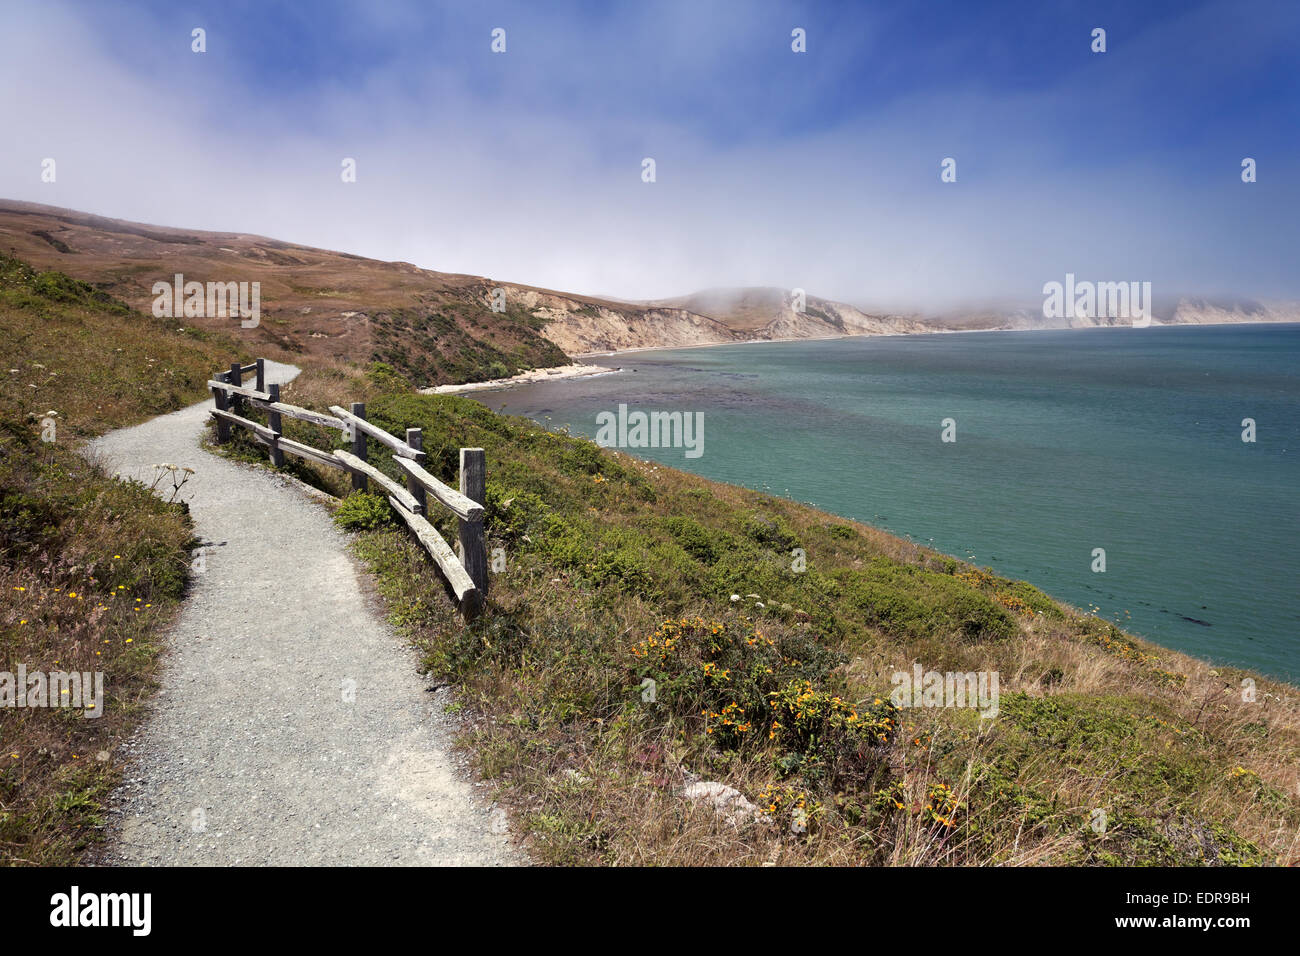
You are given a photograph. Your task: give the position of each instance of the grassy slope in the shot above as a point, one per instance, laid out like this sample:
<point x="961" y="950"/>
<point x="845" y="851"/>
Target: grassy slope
<point x="91" y="567"/>
<point x="618" y="570"/>
<point x="316" y="305"/>
<point x="98" y="363"/>
<point x="457" y="341"/>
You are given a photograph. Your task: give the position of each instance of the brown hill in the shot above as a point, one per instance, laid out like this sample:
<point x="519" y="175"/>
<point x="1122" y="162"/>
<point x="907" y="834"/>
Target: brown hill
<point x="432" y="326"/>
<point x="439" y="328"/>
<point x="435" y="327"/>
<point x="765" y="313"/>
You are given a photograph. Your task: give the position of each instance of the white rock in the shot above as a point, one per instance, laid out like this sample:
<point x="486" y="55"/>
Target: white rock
<point x="726" y="800"/>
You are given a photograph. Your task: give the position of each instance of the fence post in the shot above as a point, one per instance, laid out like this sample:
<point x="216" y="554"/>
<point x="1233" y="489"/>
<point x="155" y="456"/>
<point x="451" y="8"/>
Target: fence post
<point x="235" y="377"/>
<point x="415" y="438"/>
<point x="273" y="418"/>
<point x="359" y="482"/>
<point x="473" y="485"/>
<point x="219" y="397"/>
<point x="261" y="375"/>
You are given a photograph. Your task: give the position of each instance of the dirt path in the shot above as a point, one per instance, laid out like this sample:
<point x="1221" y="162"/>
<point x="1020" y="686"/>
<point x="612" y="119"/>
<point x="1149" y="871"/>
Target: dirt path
<point x="253" y="753"/>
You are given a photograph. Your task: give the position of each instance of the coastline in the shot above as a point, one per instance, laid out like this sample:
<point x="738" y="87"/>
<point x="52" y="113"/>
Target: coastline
<point x="709" y="345"/>
<point x="893" y="335"/>
<point x="801" y="338"/>
<point x="583" y="369"/>
<point x="554" y="373"/>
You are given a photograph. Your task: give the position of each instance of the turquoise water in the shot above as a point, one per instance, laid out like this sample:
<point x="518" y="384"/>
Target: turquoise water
<point x="1122" y="439"/>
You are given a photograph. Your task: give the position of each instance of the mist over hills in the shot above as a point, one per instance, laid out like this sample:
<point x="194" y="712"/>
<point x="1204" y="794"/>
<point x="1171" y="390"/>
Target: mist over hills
<point x="440" y="328"/>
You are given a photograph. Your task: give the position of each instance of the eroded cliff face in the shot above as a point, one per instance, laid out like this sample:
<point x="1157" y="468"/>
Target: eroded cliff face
<point x="1202" y="312"/>
<point x="581" y="326"/>
<point x="609" y="330"/>
<point x="825" y="317"/>
<point x="1186" y="311"/>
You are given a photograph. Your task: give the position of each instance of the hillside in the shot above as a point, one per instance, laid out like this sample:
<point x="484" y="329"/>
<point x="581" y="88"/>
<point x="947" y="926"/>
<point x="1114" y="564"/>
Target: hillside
<point x="92" y="568"/>
<point x="434" y="327"/>
<point x="770" y="314"/>
<point x="315" y="304"/>
<point x="439" y="328"/>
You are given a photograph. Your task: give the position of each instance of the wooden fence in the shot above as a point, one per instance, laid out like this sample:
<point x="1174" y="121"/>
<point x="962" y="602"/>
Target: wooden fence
<point x="467" y="575"/>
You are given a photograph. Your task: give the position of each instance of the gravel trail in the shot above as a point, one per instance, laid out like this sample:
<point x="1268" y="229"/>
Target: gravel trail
<point x="253" y="753"/>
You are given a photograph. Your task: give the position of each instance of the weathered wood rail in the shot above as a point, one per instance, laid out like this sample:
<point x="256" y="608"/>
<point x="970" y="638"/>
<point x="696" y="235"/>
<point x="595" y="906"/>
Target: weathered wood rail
<point x="467" y="575"/>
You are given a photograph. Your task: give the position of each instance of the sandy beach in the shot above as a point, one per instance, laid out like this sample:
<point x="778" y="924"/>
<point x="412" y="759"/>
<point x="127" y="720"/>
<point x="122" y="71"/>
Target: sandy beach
<point x="555" y="374"/>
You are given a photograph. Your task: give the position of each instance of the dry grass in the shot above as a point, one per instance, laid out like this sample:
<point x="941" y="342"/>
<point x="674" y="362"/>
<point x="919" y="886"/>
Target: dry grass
<point x="316" y="305"/>
<point x="91" y="567"/>
<point x="96" y="363"/>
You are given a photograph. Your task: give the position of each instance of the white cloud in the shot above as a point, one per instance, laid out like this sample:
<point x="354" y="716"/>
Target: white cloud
<point x="456" y="177"/>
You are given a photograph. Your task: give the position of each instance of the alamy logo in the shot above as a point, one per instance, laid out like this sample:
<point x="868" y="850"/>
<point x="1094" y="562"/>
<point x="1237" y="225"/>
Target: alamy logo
<point x="1093" y="300"/>
<point x="82" y="690"/>
<point x="216" y="300"/>
<point x="651" y="430"/>
<point x="103" y="909"/>
<point x="935" y="689"/>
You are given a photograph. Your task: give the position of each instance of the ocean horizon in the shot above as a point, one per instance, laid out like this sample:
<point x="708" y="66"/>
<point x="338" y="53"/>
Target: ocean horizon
<point x="1059" y="443"/>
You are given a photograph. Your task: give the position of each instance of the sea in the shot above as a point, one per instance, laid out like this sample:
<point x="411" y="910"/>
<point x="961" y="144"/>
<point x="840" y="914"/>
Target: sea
<point x="1168" y="455"/>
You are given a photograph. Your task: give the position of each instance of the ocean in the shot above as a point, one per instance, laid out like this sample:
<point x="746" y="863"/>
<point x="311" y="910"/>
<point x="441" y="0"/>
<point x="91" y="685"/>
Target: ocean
<point x="1127" y="440"/>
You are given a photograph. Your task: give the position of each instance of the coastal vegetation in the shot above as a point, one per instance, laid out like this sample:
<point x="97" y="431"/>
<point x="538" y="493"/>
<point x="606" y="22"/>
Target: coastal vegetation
<point x="655" y="635"/>
<point x="453" y="343"/>
<point x="92" y="567"/>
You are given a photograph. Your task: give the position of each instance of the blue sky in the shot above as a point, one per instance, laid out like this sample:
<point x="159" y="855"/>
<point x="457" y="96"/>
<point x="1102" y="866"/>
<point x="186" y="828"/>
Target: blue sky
<point x="818" y="170"/>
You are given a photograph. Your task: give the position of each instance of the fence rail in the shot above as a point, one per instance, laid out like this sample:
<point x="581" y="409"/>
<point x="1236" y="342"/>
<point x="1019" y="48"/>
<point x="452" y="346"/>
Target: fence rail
<point x="466" y="575"/>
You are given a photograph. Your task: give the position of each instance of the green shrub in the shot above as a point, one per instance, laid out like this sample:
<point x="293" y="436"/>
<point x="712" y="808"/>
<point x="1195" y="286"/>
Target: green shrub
<point x="696" y="540"/>
<point x="58" y="287"/>
<point x="743" y="687"/>
<point x="383" y="377"/>
<point x="511" y="514"/>
<point x="624" y="567"/>
<point x="909" y="601"/>
<point x="819" y="730"/>
<point x="361" y="511"/>
<point x="771" y="531"/>
<point x="582" y="457"/>
<point x="1023" y="595"/>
